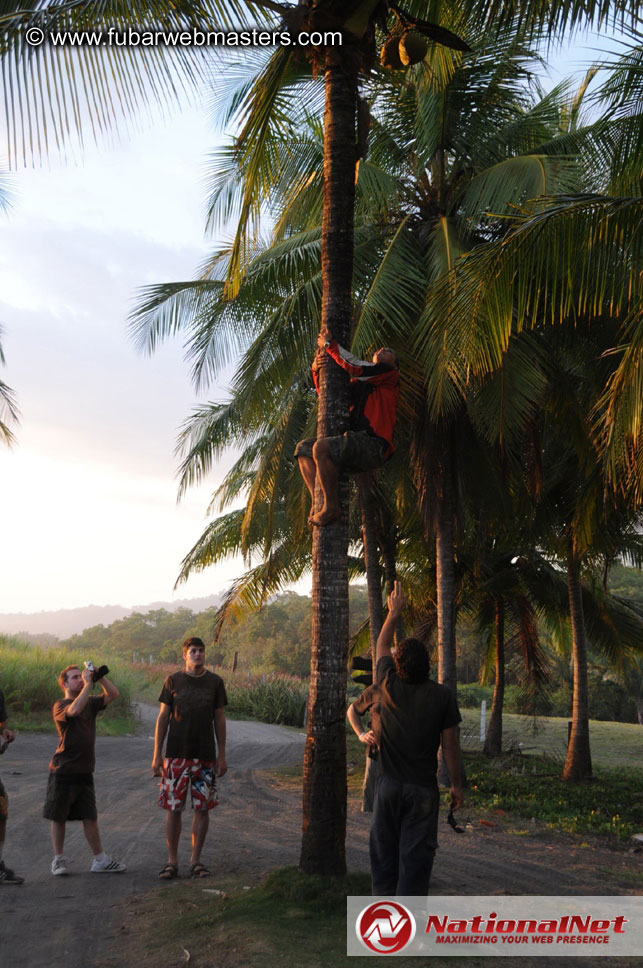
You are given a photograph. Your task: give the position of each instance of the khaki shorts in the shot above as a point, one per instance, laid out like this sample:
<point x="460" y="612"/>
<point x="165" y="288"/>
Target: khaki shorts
<point x="354" y="451"/>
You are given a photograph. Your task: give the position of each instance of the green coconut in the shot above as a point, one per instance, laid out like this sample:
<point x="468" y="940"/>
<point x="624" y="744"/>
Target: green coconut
<point x="390" y="54"/>
<point x="412" y="47"/>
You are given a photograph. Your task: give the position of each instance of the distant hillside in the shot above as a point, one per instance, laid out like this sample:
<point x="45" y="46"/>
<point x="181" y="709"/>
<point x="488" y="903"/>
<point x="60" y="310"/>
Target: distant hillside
<point x="71" y="621"/>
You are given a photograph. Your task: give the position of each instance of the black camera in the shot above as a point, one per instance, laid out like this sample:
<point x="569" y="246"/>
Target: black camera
<point x="96" y="673"/>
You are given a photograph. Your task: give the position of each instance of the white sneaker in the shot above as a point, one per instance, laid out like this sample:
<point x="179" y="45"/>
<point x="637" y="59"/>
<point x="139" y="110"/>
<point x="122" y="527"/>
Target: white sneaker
<point x="107" y="866"/>
<point x="59" y="866"/>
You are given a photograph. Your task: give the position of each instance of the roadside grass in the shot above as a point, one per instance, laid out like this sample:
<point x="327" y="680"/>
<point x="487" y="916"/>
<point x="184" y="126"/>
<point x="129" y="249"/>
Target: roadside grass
<point x="29" y="681"/>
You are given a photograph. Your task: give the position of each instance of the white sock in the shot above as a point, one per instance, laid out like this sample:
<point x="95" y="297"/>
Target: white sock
<point x="58" y="856"/>
<point x="102" y="857"/>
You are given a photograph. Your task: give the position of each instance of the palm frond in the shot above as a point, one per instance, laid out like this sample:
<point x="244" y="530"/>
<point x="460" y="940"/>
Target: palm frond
<point x="53" y="92"/>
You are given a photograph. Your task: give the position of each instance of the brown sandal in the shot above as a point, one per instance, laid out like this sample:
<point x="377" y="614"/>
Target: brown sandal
<point x="198" y="870"/>
<point x="169" y="872"/>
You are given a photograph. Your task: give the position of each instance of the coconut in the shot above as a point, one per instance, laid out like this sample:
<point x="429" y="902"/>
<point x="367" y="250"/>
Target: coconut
<point x="390" y="54"/>
<point x="412" y="47"/>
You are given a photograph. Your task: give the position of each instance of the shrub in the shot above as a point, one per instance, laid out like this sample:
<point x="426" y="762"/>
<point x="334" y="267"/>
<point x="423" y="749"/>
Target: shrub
<point x="471" y="695"/>
<point x="279" y="699"/>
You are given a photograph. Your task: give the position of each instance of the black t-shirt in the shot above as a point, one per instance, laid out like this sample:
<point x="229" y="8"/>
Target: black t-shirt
<point x="3" y="708"/>
<point x="412" y="719"/>
<point x="193" y="700"/>
<point x="75" y="753"/>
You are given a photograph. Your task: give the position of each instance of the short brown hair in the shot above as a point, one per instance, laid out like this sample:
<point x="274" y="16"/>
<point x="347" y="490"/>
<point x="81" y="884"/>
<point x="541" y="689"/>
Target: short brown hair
<point x="196" y="641"/>
<point x="62" y="678"/>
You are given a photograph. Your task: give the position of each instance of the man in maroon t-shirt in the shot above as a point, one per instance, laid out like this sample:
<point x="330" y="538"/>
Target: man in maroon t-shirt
<point x="192" y="704"/>
<point x="70" y="790"/>
<point x="368" y="443"/>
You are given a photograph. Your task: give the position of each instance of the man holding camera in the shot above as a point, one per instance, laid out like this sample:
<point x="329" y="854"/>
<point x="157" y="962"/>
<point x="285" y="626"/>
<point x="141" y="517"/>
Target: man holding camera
<point x="7" y="736"/>
<point x="70" y="791"/>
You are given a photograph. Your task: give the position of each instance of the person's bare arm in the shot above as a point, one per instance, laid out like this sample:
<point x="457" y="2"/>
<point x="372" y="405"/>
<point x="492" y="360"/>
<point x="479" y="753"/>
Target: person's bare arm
<point x="220" y="765"/>
<point x="396" y="602"/>
<point x="82" y="698"/>
<point x="451" y="752"/>
<point x="110" y="692"/>
<point x="162" y="723"/>
<point x="364" y="736"/>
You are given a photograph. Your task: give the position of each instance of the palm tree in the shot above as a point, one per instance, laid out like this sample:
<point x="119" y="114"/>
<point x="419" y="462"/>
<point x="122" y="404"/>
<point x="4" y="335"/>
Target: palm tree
<point x="324" y="781"/>
<point x="8" y="408"/>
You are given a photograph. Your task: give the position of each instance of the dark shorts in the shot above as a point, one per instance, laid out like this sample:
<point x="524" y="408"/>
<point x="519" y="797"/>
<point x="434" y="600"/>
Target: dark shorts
<point x="355" y="451"/>
<point x="3" y="802"/>
<point x="70" y="797"/>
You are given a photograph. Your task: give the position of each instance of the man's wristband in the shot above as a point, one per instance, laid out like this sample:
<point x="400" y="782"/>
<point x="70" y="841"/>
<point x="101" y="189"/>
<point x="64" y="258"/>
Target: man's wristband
<point x="361" y="735"/>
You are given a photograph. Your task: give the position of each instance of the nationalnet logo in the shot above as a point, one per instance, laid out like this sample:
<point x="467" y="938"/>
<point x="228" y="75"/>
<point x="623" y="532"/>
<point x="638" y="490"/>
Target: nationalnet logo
<point x="385" y="927"/>
<point x="491" y="926"/>
<point x="570" y="929"/>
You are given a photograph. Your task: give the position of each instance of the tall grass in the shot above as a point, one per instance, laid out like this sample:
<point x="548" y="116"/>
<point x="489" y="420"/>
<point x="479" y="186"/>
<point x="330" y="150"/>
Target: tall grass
<point x="270" y="699"/>
<point x="29" y="681"/>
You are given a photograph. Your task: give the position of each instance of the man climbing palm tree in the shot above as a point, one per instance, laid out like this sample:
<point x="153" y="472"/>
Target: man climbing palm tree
<point x="374" y="390"/>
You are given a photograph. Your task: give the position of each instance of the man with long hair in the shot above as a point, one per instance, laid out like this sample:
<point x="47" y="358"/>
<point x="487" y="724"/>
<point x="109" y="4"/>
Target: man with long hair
<point x="417" y="715"/>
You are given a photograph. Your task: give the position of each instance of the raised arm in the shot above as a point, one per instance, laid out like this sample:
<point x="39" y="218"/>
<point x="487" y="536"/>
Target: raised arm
<point x="82" y="698"/>
<point x="110" y="692"/>
<point x="396" y="602"/>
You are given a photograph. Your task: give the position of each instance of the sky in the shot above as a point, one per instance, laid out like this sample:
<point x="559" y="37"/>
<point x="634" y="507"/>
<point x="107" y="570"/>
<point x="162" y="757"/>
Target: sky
<point x="89" y="491"/>
<point x="88" y="494"/>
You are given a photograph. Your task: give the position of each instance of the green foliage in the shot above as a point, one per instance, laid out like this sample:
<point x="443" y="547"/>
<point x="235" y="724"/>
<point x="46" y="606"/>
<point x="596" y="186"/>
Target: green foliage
<point x="29" y="680"/>
<point x="608" y="805"/>
<point x="278" y="699"/>
<point x="276" y="639"/>
<point x="472" y="694"/>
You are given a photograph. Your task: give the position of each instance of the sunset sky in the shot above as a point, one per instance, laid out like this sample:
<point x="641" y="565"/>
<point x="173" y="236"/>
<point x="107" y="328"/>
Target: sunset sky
<point x="88" y="494"/>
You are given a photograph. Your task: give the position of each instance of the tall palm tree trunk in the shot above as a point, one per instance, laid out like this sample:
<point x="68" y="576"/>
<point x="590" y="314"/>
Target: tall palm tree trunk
<point x="493" y="739"/>
<point x="324" y="791"/>
<point x="371" y="562"/>
<point x="578" y="765"/>
<point x="445" y="581"/>
<point x="445" y="593"/>
<point x="375" y="612"/>
<point x="388" y="548"/>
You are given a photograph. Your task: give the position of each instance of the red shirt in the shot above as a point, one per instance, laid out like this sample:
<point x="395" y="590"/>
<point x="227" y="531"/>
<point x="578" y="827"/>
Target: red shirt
<point x="374" y="391"/>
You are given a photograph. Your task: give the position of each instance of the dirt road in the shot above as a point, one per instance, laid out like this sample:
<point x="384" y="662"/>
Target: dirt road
<point x="65" y="922"/>
<point x="51" y="922"/>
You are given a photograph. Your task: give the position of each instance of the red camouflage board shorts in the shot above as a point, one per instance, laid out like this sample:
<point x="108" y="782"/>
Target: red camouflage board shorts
<point x="179" y="774"/>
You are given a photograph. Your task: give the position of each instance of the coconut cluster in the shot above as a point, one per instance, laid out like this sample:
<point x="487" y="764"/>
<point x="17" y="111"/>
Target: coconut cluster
<point x="402" y="50"/>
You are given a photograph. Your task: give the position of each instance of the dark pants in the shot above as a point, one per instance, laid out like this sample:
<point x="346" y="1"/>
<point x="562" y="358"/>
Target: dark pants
<point x="403" y="837"/>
